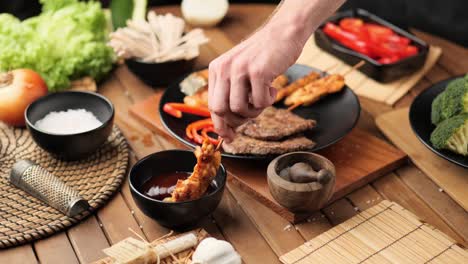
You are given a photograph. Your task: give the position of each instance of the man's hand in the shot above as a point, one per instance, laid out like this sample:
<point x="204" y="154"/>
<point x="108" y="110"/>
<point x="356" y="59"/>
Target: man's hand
<point x="240" y="79"/>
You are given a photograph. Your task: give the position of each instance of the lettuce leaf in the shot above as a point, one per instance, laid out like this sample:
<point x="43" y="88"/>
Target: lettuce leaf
<point x="65" y="42"/>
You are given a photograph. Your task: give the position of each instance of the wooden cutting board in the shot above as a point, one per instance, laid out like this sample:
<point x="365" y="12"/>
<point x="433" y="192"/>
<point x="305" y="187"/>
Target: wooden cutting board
<point x="359" y="158"/>
<point x="451" y="178"/>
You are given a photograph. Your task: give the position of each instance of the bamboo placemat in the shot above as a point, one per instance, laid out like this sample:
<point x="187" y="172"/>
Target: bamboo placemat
<point x="385" y="233"/>
<point x="184" y="255"/>
<point x="362" y="85"/>
<point x="24" y="218"/>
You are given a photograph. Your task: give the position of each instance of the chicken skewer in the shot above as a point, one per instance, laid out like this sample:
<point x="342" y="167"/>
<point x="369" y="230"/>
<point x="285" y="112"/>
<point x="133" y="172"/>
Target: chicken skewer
<point x="208" y="162"/>
<point x="315" y="90"/>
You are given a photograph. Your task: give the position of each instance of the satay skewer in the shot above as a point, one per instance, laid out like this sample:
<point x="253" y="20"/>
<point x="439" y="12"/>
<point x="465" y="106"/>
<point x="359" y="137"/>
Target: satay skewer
<point x="220" y="143"/>
<point x="355" y="67"/>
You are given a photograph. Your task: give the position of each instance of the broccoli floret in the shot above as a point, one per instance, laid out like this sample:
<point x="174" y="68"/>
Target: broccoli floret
<point x="451" y="102"/>
<point x="452" y="134"/>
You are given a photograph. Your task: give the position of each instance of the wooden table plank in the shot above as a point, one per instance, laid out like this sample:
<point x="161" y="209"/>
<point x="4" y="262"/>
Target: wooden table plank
<point x="316" y="224"/>
<point x="392" y="188"/>
<point x="279" y="233"/>
<point x="242" y="233"/>
<point x="339" y="211"/>
<point x="116" y="219"/>
<point x="447" y="209"/>
<point x="364" y="198"/>
<point x="18" y="255"/>
<point x="55" y="249"/>
<point x="88" y="240"/>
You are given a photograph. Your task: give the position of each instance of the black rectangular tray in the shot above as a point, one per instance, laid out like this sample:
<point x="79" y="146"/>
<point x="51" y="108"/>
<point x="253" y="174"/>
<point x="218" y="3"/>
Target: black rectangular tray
<point x="379" y="72"/>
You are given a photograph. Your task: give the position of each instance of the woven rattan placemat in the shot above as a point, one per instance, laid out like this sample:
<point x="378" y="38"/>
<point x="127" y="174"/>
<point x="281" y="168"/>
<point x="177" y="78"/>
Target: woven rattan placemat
<point x="24" y="218"/>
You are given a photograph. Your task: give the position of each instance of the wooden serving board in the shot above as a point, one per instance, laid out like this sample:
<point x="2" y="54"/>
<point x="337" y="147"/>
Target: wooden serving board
<point x="451" y="178"/>
<point x="359" y="158"/>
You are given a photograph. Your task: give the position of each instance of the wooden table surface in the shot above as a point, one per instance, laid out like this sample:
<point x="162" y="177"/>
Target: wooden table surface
<point x="258" y="234"/>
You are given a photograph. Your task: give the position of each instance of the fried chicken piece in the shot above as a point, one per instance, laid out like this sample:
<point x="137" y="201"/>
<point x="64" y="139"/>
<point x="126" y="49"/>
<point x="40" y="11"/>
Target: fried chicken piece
<point x="200" y="98"/>
<point x="195" y="186"/>
<point x="280" y="82"/>
<point x="299" y="83"/>
<point x="312" y="92"/>
<point x="194" y="82"/>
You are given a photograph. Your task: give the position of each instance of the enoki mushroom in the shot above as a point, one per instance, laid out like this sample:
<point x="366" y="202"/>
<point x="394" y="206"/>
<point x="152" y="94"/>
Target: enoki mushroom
<point x="158" y="39"/>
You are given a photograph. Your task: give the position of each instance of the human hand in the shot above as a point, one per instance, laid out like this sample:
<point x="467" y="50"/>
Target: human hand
<point x="239" y="80"/>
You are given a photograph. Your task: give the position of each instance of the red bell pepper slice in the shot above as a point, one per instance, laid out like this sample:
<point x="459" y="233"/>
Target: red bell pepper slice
<point x="353" y="25"/>
<point x="205" y="134"/>
<point x="409" y="51"/>
<point x="172" y="111"/>
<point x="348" y="39"/>
<point x="194" y="110"/>
<point x="191" y="131"/>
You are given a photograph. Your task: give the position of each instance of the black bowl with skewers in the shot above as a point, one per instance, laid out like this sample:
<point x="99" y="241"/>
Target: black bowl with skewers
<point x="176" y="215"/>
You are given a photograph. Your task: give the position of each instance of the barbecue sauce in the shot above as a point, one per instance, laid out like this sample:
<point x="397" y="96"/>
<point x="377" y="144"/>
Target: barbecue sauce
<point x="163" y="185"/>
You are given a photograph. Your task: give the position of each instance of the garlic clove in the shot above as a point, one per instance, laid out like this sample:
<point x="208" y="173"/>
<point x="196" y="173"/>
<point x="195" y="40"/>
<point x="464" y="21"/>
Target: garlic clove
<point x="214" y="251"/>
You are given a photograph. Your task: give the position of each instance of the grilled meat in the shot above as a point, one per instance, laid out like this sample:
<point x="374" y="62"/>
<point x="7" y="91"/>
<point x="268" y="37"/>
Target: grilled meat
<point x="247" y="145"/>
<point x="275" y="124"/>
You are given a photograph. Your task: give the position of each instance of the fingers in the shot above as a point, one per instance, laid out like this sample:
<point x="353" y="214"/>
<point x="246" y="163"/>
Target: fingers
<point x="239" y="96"/>
<point x="261" y="94"/>
<point x="222" y="128"/>
<point x="218" y="101"/>
<point x="234" y="120"/>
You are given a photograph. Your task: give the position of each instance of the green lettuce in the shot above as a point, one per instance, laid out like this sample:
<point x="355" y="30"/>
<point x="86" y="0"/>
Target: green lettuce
<point x="65" y="42"/>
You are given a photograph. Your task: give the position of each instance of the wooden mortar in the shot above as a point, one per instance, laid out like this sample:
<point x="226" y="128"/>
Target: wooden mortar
<point x="300" y="197"/>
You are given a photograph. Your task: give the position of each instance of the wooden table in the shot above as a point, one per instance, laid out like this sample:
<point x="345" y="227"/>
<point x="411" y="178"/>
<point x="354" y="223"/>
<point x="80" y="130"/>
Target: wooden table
<point x="257" y="233"/>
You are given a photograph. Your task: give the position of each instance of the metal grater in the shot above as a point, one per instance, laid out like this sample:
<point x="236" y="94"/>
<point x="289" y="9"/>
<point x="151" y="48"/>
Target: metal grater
<point x="43" y="185"/>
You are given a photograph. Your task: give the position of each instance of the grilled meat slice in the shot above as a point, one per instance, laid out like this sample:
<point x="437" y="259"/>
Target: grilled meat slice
<point x="247" y="145"/>
<point x="275" y="124"/>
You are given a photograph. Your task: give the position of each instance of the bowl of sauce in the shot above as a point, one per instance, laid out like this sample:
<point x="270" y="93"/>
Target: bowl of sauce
<point x="153" y="178"/>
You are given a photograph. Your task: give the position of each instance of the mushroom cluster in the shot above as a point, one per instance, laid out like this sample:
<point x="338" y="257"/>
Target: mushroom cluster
<point x="159" y="39"/>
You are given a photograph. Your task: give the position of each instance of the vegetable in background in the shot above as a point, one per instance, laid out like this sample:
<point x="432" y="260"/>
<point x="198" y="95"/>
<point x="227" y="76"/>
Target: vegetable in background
<point x="204" y="13"/>
<point x="19" y="88"/>
<point x="451" y="102"/>
<point x="375" y="41"/>
<point x="452" y="134"/>
<point x="66" y="41"/>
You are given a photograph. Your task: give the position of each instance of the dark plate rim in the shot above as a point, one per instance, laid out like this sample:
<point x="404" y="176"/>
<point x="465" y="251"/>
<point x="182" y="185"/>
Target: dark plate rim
<point x="262" y="157"/>
<point x="413" y="125"/>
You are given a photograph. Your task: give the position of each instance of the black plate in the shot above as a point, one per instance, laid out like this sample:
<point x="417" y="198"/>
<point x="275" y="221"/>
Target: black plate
<point x="420" y="119"/>
<point x="372" y="68"/>
<point x="336" y="114"/>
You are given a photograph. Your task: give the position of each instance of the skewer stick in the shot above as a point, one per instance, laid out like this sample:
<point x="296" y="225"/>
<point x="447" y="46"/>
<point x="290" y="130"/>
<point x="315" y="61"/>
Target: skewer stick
<point x="329" y="68"/>
<point x="355" y="67"/>
<point x="294" y="106"/>
<point x="219" y="144"/>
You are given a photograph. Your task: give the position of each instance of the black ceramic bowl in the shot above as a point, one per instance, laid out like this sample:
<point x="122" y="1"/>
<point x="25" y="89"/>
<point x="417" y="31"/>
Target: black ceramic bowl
<point x="160" y="74"/>
<point x="71" y="146"/>
<point x="372" y="68"/>
<point x="178" y="215"/>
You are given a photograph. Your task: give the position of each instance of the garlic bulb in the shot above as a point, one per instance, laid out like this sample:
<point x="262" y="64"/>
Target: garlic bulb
<point x="214" y="251"/>
<point x="204" y="13"/>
